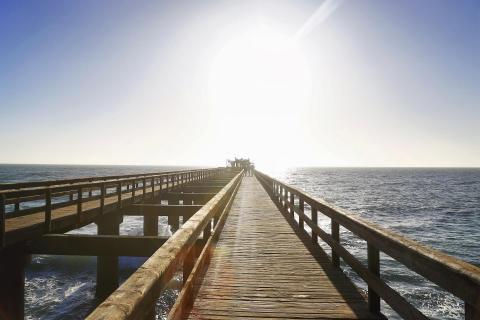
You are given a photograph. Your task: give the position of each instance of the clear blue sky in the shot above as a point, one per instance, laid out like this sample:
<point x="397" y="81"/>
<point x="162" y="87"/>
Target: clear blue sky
<point x="372" y="83"/>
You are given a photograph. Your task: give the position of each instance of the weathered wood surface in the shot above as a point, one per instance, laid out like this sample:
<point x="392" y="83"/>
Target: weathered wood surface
<point x="24" y="227"/>
<point x="135" y="298"/>
<point x="95" y="245"/>
<point x="156" y="209"/>
<point x="454" y="275"/>
<point x="261" y="269"/>
<point x="194" y="198"/>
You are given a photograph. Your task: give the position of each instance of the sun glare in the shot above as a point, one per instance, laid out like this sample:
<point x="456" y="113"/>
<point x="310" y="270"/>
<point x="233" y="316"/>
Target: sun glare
<point x="260" y="74"/>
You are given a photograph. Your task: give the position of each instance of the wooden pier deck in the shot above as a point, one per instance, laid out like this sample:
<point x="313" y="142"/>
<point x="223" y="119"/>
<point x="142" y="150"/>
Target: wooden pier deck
<point x="242" y="244"/>
<point x="261" y="269"/>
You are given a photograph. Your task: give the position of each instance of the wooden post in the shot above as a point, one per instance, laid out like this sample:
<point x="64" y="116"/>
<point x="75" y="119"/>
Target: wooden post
<point x="103" y="192"/>
<point x="119" y="195"/>
<point x="301" y="205"/>
<point x="285" y="199"/>
<point x="107" y="266"/>
<point x="133" y="191"/>
<point x="2" y="221"/>
<point x="12" y="288"/>
<point x="144" y="187"/>
<point x="17" y="206"/>
<point x="292" y="203"/>
<point x="335" y="229"/>
<point x="173" y="221"/>
<point x="315" y="221"/>
<point x="150" y="225"/>
<point x="48" y="210"/>
<point x="471" y="313"/>
<point x="152" y="183"/>
<point x="374" y="267"/>
<point x="79" y="205"/>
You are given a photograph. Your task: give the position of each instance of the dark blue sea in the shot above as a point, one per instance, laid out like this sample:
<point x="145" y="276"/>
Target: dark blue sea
<point x="437" y="207"/>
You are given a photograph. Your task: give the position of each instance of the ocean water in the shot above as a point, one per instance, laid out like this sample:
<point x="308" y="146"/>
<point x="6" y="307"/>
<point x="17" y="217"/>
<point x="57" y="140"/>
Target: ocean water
<point x="438" y="207"/>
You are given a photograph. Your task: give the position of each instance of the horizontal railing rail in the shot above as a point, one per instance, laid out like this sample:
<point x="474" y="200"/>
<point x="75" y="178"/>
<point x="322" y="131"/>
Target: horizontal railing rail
<point x="32" y="184"/>
<point x="62" y="185"/>
<point x="17" y="196"/>
<point x="454" y="275"/>
<point x="49" y="198"/>
<point x="136" y="297"/>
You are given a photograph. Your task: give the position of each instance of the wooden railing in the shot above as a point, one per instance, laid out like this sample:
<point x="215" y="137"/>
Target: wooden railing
<point x="51" y="195"/>
<point x="136" y="297"/>
<point x="455" y="276"/>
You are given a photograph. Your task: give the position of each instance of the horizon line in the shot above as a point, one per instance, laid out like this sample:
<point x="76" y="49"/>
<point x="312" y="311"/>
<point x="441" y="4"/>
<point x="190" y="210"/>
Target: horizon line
<point x="286" y="167"/>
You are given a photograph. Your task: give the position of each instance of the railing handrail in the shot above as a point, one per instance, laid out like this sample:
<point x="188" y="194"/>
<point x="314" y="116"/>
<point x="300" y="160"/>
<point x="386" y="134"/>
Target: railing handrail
<point x="458" y="277"/>
<point x="28" y="184"/>
<point x="135" y="296"/>
<point x="65" y="185"/>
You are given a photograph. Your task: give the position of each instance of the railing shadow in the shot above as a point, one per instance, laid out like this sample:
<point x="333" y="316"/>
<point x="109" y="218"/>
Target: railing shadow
<point x="345" y="286"/>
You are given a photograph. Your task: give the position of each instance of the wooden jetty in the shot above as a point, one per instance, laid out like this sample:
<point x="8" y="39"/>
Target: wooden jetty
<point x="248" y="248"/>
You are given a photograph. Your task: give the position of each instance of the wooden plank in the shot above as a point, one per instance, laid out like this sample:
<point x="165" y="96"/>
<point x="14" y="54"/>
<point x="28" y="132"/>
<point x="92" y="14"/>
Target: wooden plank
<point x="197" y="198"/>
<point x="201" y="188"/>
<point x="153" y="209"/>
<point x="260" y="268"/>
<point x="95" y="245"/>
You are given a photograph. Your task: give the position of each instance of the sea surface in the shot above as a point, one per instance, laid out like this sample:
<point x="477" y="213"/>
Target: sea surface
<point x="437" y="207"/>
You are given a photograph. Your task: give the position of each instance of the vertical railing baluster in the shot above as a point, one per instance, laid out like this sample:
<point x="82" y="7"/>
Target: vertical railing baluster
<point x="133" y="191"/>
<point x="119" y="195"/>
<point x="103" y="192"/>
<point x="315" y="222"/>
<point x="153" y="187"/>
<point x="2" y="220"/>
<point x="301" y="205"/>
<point x="374" y="267"/>
<point x="335" y="230"/>
<point x="79" y="205"/>
<point x="48" y="210"/>
<point x="292" y="205"/>
<point x="17" y="205"/>
<point x="144" y="187"/>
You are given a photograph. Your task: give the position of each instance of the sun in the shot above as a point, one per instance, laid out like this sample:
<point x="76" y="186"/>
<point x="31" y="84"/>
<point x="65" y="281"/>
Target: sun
<point x="261" y="72"/>
<point x="259" y="85"/>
